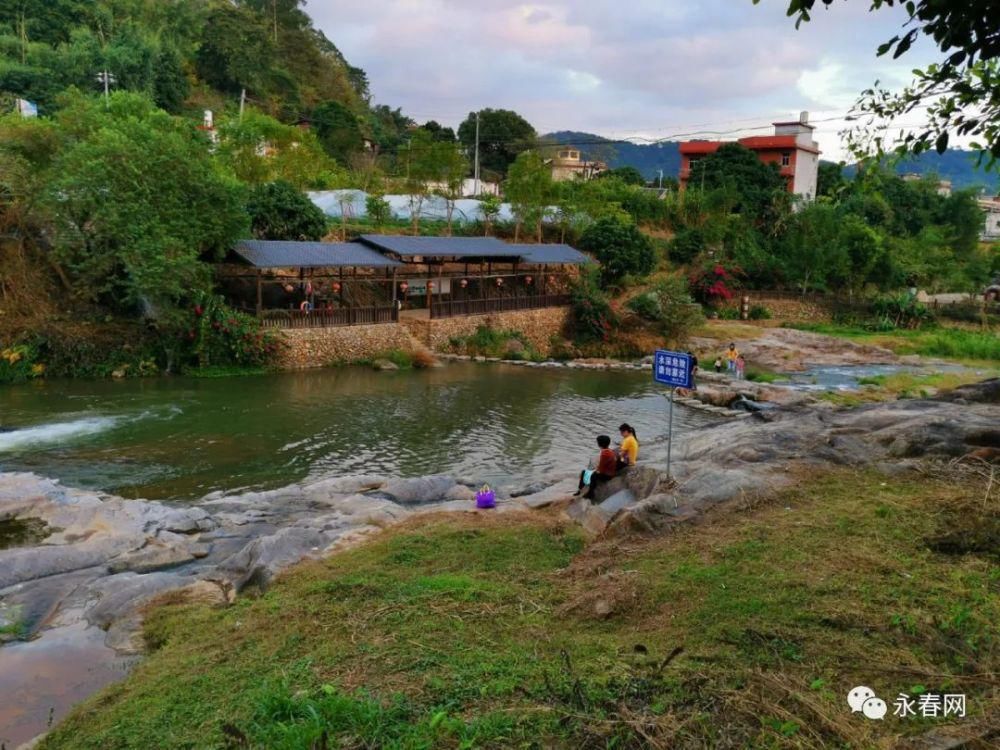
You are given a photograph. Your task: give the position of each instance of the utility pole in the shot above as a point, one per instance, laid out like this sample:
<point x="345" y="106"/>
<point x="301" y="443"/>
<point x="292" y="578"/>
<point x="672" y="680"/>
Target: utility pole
<point x="104" y="77"/>
<point x="476" y="191"/>
<point x="661" y="179"/>
<point x="243" y="102"/>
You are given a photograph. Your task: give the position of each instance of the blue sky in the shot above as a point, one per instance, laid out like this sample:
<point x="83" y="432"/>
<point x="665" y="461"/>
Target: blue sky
<point x="647" y="68"/>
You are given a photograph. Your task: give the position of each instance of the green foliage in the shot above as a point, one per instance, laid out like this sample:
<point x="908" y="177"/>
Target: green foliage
<point x="754" y="185"/>
<point x="530" y="189"/>
<point x="139" y="205"/>
<point x="628" y="175"/>
<point x="621" y="248"/>
<point x="503" y="135"/>
<point x="959" y="344"/>
<point x="280" y="212"/>
<point x="593" y="318"/>
<point x="901" y="311"/>
<point x="19" y="363"/>
<point x="221" y="336"/>
<point x="487" y="341"/>
<point x="669" y="305"/>
<point x="759" y="312"/>
<point x="377" y="209"/>
<point x="338" y="129"/>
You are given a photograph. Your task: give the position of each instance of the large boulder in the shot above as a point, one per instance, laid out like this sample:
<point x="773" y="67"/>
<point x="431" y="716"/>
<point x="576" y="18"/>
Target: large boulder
<point x="641" y="480"/>
<point x="259" y="560"/>
<point x="428" y="489"/>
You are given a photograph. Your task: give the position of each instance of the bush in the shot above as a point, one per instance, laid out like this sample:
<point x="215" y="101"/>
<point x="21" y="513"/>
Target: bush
<point x="713" y="285"/>
<point x="219" y="336"/>
<point x="902" y="311"/>
<point x="494" y="342"/>
<point x="279" y="211"/>
<point x="759" y="312"/>
<point x="593" y="318"/>
<point x="962" y="345"/>
<point x="670" y="307"/>
<point x="19" y="363"/>
<point x="687" y="245"/>
<point x="621" y="248"/>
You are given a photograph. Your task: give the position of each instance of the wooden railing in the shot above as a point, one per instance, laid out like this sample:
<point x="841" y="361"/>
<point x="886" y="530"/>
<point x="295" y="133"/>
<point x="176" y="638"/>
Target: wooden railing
<point x="346" y="316"/>
<point x="463" y="307"/>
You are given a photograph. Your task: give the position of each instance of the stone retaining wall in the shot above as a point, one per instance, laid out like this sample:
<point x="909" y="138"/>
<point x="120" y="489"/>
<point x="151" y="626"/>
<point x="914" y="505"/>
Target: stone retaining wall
<point x="538" y="326"/>
<point x="792" y="310"/>
<point x="318" y="347"/>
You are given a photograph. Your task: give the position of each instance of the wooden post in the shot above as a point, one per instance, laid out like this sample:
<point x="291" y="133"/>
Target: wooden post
<point x="260" y="297"/>
<point x="441" y="282"/>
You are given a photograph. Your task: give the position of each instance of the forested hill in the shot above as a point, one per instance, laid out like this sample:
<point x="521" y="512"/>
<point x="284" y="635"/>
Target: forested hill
<point x="647" y="158"/>
<point x="188" y="56"/>
<point x="954" y="164"/>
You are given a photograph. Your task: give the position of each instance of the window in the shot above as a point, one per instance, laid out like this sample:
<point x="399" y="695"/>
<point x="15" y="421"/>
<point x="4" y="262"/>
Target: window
<point x="786" y="159"/>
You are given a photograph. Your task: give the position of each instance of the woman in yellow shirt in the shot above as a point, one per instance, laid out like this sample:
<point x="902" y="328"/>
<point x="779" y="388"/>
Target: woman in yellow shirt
<point x="628" y="451"/>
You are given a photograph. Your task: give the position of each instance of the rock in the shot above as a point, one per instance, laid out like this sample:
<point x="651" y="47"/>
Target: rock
<point x="154" y="556"/>
<point x="189" y="521"/>
<point x="384" y="365"/>
<point x="349" y="485"/>
<point x="616" y="502"/>
<point x="641" y="480"/>
<point x="259" y="560"/>
<point x="24" y="564"/>
<point x="559" y="492"/>
<point x="587" y="515"/>
<point x="513" y="346"/>
<point x="984" y="392"/>
<point x="419" y="490"/>
<point x="460" y="493"/>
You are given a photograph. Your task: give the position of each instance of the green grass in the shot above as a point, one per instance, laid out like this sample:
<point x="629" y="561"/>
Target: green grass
<point x="494" y="342"/>
<point x="763" y="376"/>
<point x="509" y="631"/>
<point x="224" y="371"/>
<point x="974" y="347"/>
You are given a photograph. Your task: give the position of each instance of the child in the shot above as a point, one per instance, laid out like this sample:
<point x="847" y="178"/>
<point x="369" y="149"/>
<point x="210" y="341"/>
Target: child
<point x="607" y="467"/>
<point x="718" y="364"/>
<point x="741" y="365"/>
<point x="732" y="354"/>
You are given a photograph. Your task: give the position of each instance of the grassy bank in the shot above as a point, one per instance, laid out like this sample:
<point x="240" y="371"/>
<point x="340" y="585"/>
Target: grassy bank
<point x="509" y="631"/>
<point x="901" y="385"/>
<point x="972" y="346"/>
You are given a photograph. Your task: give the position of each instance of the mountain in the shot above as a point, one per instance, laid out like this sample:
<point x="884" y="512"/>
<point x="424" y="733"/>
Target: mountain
<point x="647" y="158"/>
<point x="954" y="164"/>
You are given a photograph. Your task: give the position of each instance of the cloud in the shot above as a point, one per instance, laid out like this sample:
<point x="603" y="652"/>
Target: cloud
<point x="644" y="66"/>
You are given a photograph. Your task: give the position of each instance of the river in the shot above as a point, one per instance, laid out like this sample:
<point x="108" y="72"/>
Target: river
<point x="181" y="438"/>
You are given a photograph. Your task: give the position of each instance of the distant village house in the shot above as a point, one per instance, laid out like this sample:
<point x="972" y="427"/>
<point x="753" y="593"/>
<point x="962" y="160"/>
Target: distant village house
<point x="568" y="164"/>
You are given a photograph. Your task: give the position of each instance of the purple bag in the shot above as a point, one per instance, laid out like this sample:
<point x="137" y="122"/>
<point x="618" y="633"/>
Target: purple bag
<point x="486" y="498"/>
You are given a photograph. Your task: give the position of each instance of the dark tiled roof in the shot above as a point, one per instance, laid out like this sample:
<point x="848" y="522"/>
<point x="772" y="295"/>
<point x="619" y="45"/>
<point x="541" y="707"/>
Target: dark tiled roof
<point x="441" y="247"/>
<point x="551" y="254"/>
<point x="270" y="254"/>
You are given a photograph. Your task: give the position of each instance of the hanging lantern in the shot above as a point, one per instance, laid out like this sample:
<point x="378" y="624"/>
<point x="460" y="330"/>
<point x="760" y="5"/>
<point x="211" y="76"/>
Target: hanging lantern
<point x="552" y="279"/>
<point x="403" y="287"/>
<point x="309" y="288"/>
<point x="499" y="281"/>
<point x="335" y="286"/>
<point x="528" y="280"/>
<point x="289" y="288"/>
<point x="463" y="283"/>
<point x="430" y="286"/>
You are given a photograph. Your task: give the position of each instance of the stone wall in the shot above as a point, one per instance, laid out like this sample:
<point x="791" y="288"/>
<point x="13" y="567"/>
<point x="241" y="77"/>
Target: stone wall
<point x="792" y="309"/>
<point x="538" y="326"/>
<point x="317" y="347"/>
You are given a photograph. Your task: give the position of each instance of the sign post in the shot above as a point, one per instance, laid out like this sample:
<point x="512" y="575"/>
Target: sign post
<point x="672" y="369"/>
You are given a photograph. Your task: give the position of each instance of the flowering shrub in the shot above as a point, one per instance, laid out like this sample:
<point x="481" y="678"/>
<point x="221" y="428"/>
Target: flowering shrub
<point x="219" y="335"/>
<point x="19" y="363"/>
<point x="713" y="285"/>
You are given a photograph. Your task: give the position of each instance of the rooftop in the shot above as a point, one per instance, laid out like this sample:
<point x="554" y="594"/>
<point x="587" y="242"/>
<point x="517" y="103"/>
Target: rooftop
<point x="282" y="254"/>
<point x="440" y="247"/>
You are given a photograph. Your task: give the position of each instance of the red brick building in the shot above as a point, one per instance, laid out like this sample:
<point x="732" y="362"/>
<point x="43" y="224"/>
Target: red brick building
<point x="791" y="147"/>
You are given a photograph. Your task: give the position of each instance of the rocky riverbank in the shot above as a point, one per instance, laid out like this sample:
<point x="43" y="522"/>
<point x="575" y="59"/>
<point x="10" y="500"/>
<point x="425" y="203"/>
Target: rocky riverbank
<point x="83" y="588"/>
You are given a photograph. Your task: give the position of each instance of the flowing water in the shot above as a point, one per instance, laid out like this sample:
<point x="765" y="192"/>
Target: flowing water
<point x="181" y="438"/>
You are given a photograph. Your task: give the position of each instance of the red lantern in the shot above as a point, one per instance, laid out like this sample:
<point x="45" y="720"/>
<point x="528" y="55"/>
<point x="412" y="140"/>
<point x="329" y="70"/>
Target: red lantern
<point x="463" y="283"/>
<point x="335" y="286"/>
<point x="430" y="286"/>
<point x="552" y="279"/>
<point x="403" y="287"/>
<point x="499" y="281"/>
<point x="528" y="280"/>
<point x="289" y="288"/>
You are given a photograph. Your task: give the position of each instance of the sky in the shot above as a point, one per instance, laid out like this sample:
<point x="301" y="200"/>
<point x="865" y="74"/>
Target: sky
<point x="641" y="69"/>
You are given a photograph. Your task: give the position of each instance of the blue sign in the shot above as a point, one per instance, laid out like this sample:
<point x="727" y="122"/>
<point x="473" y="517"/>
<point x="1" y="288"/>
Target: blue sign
<point x="672" y="368"/>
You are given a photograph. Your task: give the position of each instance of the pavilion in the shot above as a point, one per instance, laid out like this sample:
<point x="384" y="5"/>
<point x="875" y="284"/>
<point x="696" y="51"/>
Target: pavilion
<point x="379" y="278"/>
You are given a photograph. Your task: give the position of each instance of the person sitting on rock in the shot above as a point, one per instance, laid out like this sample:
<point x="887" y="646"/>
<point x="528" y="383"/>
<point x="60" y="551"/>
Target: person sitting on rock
<point x="628" y="451"/>
<point x="607" y="467"/>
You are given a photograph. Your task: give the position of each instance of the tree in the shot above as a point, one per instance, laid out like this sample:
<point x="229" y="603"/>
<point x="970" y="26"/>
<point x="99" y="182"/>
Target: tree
<point x="830" y="181"/>
<point x="378" y="209"/>
<point x="529" y="188"/>
<point x="503" y="135"/>
<point x="439" y="132"/>
<point x="280" y="212"/>
<point x="489" y="208"/>
<point x="138" y="206"/>
<point x="170" y="84"/>
<point x="628" y="175"/>
<point x="960" y="92"/>
<point x="621" y="249"/>
<point x="737" y="168"/>
<point x="338" y="129"/>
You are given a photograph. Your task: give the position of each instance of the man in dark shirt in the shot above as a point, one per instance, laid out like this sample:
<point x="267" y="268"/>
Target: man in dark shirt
<point x="607" y="467"/>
